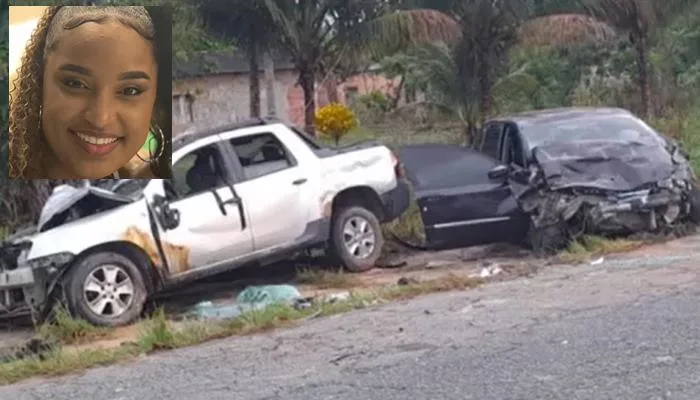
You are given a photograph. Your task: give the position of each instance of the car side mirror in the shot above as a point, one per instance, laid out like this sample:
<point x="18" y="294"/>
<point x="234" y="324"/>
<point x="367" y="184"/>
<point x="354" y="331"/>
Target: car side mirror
<point x="169" y="218"/>
<point x="499" y="172"/>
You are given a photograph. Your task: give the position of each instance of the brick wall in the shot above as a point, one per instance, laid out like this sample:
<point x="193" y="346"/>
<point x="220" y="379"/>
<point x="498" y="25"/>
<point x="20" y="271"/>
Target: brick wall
<point x="203" y="102"/>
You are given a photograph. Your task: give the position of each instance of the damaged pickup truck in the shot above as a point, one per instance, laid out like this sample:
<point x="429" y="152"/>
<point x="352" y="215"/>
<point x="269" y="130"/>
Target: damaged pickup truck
<point x="544" y="178"/>
<point x="253" y="192"/>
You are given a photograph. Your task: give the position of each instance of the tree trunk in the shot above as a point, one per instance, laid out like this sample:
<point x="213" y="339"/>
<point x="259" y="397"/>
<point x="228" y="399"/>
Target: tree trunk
<point x="485" y="88"/>
<point x="270" y="94"/>
<point x="397" y="95"/>
<point x="308" y="83"/>
<point x="254" y="77"/>
<point x="640" y="42"/>
<point x="332" y="89"/>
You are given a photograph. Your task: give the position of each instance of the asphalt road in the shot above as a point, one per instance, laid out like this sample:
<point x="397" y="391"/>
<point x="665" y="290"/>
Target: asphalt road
<point x="624" y="329"/>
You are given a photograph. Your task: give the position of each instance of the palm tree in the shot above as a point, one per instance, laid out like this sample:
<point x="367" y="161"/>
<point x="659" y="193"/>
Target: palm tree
<point x="248" y="26"/>
<point x="638" y="19"/>
<point x="310" y="31"/>
<point x="491" y="28"/>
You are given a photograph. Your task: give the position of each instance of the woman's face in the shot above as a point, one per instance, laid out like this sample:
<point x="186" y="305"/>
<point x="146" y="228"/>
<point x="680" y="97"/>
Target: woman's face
<point x="99" y="92"/>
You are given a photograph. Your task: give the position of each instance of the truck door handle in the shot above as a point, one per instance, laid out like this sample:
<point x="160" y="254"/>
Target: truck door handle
<point x="299" y="181"/>
<point x="238" y="202"/>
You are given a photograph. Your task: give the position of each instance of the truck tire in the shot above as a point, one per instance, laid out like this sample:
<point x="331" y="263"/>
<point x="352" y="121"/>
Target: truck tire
<point x="356" y="238"/>
<point x="106" y="289"/>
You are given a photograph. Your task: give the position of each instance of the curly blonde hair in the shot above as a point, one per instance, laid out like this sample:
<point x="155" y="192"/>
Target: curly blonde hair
<point x="25" y="136"/>
<point x="27" y="145"/>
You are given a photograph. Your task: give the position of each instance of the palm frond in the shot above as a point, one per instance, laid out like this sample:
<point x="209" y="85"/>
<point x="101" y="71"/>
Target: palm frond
<point x="636" y="15"/>
<point x="398" y="30"/>
<point x="565" y="29"/>
<point x="282" y="16"/>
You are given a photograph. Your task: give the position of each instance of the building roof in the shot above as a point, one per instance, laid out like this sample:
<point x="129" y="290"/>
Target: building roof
<point x="222" y="63"/>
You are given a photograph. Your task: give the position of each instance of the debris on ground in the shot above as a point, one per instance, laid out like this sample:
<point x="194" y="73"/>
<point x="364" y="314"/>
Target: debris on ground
<point x="250" y="299"/>
<point x="403" y="281"/>
<point x="259" y="297"/>
<point x="32" y="348"/>
<point x="487" y="271"/>
<point x="598" y="261"/>
<point x="336" y="297"/>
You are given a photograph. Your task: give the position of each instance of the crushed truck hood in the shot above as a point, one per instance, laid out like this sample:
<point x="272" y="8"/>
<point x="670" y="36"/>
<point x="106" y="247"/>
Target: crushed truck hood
<point x="606" y="165"/>
<point x="84" y="201"/>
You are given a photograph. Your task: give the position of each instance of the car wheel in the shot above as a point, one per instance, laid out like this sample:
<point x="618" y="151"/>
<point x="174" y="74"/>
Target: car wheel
<point x="694" y="199"/>
<point x="106" y="289"/>
<point x="356" y="238"/>
<point x="549" y="239"/>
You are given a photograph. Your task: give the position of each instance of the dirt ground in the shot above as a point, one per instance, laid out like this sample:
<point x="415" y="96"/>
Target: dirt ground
<point x="409" y="264"/>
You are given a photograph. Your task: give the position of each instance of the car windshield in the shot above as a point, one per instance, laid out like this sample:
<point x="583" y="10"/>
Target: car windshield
<point x="591" y="127"/>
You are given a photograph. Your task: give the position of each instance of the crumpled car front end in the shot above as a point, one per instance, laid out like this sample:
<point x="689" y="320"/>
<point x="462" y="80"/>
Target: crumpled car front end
<point x="32" y="260"/>
<point x="608" y="187"/>
<point x="14" y="278"/>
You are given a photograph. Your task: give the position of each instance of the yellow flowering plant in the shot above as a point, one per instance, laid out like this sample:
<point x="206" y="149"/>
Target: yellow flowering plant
<point x="334" y="121"/>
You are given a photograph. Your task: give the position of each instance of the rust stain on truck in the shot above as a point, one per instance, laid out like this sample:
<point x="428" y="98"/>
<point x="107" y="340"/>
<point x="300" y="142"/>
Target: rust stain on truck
<point x="178" y="255"/>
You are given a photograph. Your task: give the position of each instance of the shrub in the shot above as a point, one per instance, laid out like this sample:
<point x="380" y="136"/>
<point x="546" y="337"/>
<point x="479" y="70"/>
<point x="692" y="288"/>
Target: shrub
<point x="335" y="121"/>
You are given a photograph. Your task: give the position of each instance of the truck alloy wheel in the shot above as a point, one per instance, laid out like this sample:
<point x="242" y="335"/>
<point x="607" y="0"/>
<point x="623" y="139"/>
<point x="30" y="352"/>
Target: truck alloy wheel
<point x="357" y="238"/>
<point x="106" y="289"/>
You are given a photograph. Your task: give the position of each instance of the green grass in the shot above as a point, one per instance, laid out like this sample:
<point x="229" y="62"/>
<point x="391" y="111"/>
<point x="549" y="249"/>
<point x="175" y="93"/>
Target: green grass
<point x="326" y="279"/>
<point x="691" y="139"/>
<point x="684" y="127"/>
<point x="589" y="246"/>
<point x="68" y="330"/>
<point x="158" y="333"/>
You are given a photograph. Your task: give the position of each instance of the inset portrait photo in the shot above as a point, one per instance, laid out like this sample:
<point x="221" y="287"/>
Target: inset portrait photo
<point x="90" y="92"/>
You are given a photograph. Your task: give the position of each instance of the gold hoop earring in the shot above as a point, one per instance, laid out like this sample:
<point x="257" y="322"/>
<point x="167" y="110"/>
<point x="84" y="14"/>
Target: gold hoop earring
<point x="155" y="128"/>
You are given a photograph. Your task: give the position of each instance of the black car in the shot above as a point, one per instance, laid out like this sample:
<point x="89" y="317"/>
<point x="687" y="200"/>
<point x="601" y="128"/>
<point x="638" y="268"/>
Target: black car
<point x="548" y="176"/>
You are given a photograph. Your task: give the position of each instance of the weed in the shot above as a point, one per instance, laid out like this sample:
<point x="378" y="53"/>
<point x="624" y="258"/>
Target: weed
<point x="156" y="333"/>
<point x="325" y="279"/>
<point x="69" y="330"/>
<point x="589" y="246"/>
<point x="408" y="227"/>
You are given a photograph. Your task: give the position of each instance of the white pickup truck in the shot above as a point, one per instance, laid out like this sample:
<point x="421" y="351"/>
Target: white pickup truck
<point x="254" y="192"/>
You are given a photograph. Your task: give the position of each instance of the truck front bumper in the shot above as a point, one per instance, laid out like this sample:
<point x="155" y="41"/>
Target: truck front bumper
<point x="25" y="288"/>
<point x="13" y="284"/>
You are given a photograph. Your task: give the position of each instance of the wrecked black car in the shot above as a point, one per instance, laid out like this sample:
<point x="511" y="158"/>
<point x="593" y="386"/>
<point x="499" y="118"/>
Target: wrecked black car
<point x="546" y="177"/>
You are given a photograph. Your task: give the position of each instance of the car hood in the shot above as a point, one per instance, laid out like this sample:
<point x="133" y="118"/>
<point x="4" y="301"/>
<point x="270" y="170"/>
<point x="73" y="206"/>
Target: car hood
<point x="606" y="165"/>
<point x="88" y="199"/>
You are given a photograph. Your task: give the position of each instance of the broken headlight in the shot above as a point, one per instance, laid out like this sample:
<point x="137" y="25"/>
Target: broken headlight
<point x="665" y="183"/>
<point x="52" y="261"/>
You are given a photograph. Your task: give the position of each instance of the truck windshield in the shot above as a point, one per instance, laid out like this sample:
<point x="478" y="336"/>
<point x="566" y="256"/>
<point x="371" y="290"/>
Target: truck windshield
<point x="306" y="138"/>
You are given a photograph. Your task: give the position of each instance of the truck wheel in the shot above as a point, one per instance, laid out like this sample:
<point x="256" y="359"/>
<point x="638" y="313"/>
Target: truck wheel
<point x="356" y="238"/>
<point x="106" y="289"/>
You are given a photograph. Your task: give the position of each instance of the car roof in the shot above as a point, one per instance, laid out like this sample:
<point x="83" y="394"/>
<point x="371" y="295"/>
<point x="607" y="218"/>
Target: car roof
<point x="545" y="116"/>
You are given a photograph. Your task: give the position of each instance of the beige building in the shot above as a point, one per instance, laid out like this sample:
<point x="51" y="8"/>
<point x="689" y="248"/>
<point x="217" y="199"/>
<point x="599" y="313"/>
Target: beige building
<point x="216" y="90"/>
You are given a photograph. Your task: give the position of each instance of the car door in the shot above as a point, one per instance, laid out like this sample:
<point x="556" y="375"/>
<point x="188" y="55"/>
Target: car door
<point x="201" y="218"/>
<point x="459" y="204"/>
<point x="273" y="185"/>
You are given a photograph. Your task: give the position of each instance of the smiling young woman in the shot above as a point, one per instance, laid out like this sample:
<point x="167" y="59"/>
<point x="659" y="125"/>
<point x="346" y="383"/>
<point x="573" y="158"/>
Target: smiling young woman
<point x="94" y="84"/>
